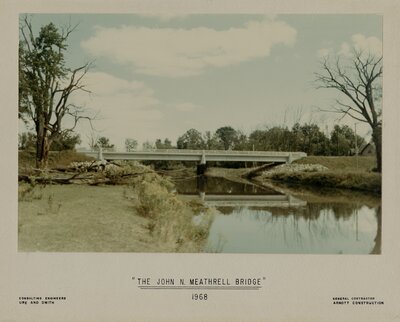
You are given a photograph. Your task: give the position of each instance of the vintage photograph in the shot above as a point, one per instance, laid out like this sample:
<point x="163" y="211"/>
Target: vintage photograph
<point x="200" y="133"/>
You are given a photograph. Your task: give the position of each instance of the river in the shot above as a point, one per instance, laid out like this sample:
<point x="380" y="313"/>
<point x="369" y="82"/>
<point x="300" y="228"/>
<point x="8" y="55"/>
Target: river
<point x="254" y="219"/>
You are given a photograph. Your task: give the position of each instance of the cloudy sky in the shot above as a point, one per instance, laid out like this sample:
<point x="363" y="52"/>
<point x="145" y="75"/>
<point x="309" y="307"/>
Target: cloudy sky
<point x="156" y="76"/>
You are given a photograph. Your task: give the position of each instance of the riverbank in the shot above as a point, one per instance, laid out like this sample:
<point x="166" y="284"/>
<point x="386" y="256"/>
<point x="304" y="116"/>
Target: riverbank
<point x="315" y="172"/>
<point x="359" y="181"/>
<point x="328" y="172"/>
<point x="142" y="215"/>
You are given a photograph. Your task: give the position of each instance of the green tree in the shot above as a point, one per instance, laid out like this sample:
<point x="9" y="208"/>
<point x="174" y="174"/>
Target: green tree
<point x="296" y="138"/>
<point x="130" y="145"/>
<point x="147" y="145"/>
<point x="66" y="141"/>
<point x="240" y="142"/>
<point x="343" y="140"/>
<point x="46" y="83"/>
<point x="314" y="141"/>
<point x="167" y="144"/>
<point x="277" y="138"/>
<point x="211" y="141"/>
<point x="27" y="141"/>
<point x="192" y="139"/>
<point x="258" y="139"/>
<point x="359" y="81"/>
<point x="227" y="136"/>
<point x="104" y="143"/>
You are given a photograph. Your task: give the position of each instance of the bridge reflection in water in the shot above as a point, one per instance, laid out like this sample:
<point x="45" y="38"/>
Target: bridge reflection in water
<point x="240" y="195"/>
<point x="254" y="219"/>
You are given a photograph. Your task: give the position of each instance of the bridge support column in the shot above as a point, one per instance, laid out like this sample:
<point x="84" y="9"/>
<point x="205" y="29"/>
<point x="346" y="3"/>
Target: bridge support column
<point x="100" y="154"/>
<point x="203" y="158"/>
<point x="289" y="161"/>
<point x="202" y="167"/>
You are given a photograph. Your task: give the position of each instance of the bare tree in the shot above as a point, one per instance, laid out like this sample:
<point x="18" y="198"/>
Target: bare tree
<point x="46" y="84"/>
<point x="359" y="81"/>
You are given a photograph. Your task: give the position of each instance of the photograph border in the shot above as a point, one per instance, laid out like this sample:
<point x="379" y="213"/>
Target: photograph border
<point x="104" y="286"/>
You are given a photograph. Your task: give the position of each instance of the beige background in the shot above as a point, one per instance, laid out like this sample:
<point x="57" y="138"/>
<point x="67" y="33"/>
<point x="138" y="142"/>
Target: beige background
<point x="98" y="287"/>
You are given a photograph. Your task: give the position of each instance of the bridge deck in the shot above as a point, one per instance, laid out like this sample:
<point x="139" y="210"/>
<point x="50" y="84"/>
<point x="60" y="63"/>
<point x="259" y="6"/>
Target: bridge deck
<point x="199" y="155"/>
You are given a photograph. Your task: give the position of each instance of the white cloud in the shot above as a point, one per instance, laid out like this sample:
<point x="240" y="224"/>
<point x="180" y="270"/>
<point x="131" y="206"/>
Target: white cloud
<point x="345" y="49"/>
<point x="359" y="42"/>
<point x="106" y="89"/>
<point x="371" y="45"/>
<point x="163" y="16"/>
<point x="126" y="108"/>
<point x="186" y="107"/>
<point x="186" y="52"/>
<point x="324" y="52"/>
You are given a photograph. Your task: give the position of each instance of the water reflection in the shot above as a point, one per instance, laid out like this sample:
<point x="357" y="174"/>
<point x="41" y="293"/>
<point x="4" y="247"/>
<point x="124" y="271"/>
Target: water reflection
<point x="254" y="219"/>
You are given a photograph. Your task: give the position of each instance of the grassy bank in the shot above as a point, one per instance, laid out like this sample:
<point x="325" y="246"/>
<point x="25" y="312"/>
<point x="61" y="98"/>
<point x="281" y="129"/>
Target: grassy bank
<point x="333" y="179"/>
<point x="347" y="163"/>
<point x="142" y="216"/>
<point x="342" y="173"/>
<point x="57" y="159"/>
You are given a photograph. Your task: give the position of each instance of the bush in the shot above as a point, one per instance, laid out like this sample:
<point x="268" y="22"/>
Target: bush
<point x="57" y="159"/>
<point x="171" y="219"/>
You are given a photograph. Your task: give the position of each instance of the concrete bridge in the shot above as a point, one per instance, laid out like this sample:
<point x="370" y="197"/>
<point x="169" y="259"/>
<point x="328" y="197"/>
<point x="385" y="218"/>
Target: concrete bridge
<point x="230" y="200"/>
<point x="201" y="156"/>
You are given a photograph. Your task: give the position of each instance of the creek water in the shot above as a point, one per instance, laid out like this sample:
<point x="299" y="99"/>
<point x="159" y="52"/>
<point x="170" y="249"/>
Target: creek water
<point x="253" y="219"/>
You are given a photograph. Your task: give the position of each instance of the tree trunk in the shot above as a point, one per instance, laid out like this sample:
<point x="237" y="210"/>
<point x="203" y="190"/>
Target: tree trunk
<point x="42" y="147"/>
<point x="377" y="139"/>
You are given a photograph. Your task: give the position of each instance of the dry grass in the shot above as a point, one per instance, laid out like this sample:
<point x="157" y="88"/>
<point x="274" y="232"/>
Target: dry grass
<point x="171" y="218"/>
<point x="57" y="159"/>
<point x="334" y="179"/>
<point x="143" y="217"/>
<point x="344" y="173"/>
<point x="342" y="163"/>
<point x="79" y="218"/>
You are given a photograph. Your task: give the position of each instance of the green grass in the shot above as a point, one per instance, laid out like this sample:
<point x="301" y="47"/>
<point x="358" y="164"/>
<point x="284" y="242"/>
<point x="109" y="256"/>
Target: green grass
<point x="143" y="217"/>
<point x="348" y="163"/>
<point x="57" y="159"/>
<point x="348" y="172"/>
<point x="334" y="179"/>
<point x="81" y="218"/>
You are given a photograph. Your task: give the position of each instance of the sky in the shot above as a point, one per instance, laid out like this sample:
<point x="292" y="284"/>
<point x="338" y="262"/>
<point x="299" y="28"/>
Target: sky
<point x="156" y="76"/>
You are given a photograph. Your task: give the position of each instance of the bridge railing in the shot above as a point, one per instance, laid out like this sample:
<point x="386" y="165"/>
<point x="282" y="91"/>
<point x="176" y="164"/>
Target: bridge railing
<point x="200" y="155"/>
<point x="197" y="152"/>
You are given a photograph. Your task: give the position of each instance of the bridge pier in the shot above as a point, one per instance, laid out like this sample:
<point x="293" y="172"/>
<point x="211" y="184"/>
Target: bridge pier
<point x="202" y="167"/>
<point x="290" y="159"/>
<point x="201" y="183"/>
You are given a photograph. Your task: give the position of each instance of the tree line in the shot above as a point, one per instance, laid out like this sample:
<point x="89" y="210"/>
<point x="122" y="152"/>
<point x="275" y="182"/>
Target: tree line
<point x="46" y="83"/>
<point x="309" y="138"/>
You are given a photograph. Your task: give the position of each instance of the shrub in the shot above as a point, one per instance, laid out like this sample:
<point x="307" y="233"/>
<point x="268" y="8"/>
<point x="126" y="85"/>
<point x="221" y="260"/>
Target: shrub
<point x="171" y="219"/>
